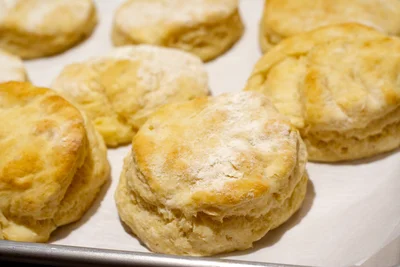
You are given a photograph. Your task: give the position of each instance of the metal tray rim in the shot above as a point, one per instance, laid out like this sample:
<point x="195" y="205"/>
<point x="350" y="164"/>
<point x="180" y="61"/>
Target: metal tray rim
<point x="87" y="256"/>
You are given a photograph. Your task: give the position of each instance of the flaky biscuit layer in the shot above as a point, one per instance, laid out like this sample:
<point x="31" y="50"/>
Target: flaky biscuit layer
<point x="119" y="90"/>
<point x="39" y="28"/>
<point x="220" y="168"/>
<point x="53" y="162"/>
<point x="205" y="28"/>
<point x="339" y="86"/>
<point x="285" y="18"/>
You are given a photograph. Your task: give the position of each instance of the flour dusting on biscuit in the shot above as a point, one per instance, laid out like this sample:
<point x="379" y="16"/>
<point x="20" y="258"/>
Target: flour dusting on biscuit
<point x="206" y="28"/>
<point x="53" y="162"/>
<point x="40" y="28"/>
<point x="339" y="85"/>
<point x="285" y="18"/>
<point x="122" y="88"/>
<point x="212" y="175"/>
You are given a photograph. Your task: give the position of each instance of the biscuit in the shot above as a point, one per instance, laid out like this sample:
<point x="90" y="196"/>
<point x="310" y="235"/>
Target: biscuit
<point x="284" y="18"/>
<point x="206" y="28"/>
<point x="39" y="28"/>
<point x="340" y="86"/>
<point x="53" y="162"/>
<point x="212" y="175"/>
<point x="120" y="90"/>
<point x="11" y="68"/>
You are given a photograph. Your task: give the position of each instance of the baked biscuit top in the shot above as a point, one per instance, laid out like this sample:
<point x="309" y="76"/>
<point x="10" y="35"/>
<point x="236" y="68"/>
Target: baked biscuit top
<point x="216" y="155"/>
<point x="45" y="16"/>
<point x="43" y="141"/>
<point x="336" y="78"/>
<point x="290" y="17"/>
<point x="122" y="88"/>
<point x="150" y="18"/>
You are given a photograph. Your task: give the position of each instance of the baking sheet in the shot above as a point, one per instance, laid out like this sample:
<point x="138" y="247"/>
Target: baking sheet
<point x="351" y="210"/>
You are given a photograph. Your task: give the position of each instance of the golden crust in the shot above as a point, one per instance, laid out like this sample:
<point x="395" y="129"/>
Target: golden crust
<point x="168" y="231"/>
<point x="87" y="181"/>
<point x="207" y="160"/>
<point x="139" y="80"/>
<point x="39" y="28"/>
<point x="35" y="118"/>
<point x="343" y="80"/>
<point x="205" y="28"/>
<point x="379" y="136"/>
<point x="47" y="144"/>
<point x="285" y="18"/>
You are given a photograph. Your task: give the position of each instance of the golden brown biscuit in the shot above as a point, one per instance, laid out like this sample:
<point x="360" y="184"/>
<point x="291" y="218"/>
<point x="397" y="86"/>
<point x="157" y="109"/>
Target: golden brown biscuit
<point x="212" y="175"/>
<point x="38" y="28"/>
<point x="120" y="90"/>
<point x="11" y="68"/>
<point x="340" y="86"/>
<point x="284" y="18"/>
<point x="53" y="162"/>
<point x="206" y="28"/>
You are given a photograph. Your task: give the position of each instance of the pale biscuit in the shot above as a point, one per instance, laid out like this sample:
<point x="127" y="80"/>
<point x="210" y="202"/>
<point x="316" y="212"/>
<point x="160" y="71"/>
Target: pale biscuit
<point x="340" y="86"/>
<point x="284" y="18"/>
<point x="38" y="28"/>
<point x="212" y="175"/>
<point x="120" y="90"/>
<point x="53" y="166"/>
<point x="11" y="68"/>
<point x="206" y="28"/>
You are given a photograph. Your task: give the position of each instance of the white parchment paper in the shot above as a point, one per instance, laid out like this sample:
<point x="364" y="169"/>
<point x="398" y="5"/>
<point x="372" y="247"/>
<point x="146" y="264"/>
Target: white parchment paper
<point x="351" y="210"/>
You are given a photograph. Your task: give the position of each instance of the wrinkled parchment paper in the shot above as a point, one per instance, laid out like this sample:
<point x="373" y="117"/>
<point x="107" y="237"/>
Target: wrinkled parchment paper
<point x="351" y="210"/>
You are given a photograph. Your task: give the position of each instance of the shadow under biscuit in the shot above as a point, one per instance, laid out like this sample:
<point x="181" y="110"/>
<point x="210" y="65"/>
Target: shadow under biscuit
<point x="275" y="235"/>
<point x="133" y="235"/>
<point x="63" y="231"/>
<point x="270" y="238"/>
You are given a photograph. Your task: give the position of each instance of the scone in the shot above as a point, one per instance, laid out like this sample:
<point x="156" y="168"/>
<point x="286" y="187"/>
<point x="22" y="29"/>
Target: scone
<point x="11" y="68"/>
<point x="120" y="90"/>
<point x="284" y="18"/>
<point x="340" y="86"/>
<point x="212" y="175"/>
<point x="39" y="28"/>
<point x="53" y="162"/>
<point x="206" y="28"/>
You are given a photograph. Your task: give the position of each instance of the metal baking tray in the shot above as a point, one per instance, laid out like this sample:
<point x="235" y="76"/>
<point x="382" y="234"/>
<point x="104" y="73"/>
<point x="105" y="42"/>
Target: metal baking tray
<point x="83" y="256"/>
<point x="76" y="246"/>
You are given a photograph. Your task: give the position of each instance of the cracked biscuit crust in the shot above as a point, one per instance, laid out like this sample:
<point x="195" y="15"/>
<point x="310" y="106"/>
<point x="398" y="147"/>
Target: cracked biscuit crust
<point x="285" y="18"/>
<point x="121" y="89"/>
<point x="214" y="177"/>
<point x="340" y="86"/>
<point x="206" y="28"/>
<point x="53" y="162"/>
